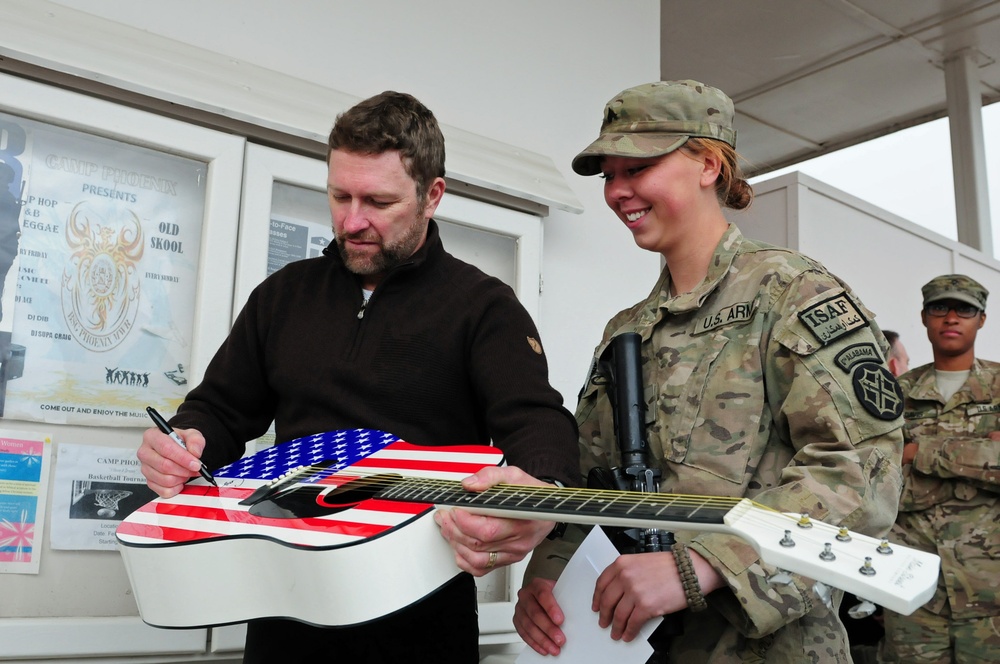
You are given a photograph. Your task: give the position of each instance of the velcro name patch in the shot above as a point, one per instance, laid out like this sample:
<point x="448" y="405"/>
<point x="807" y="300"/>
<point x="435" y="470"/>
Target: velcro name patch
<point x="736" y="313"/>
<point x="921" y="414"/>
<point x="982" y="408"/>
<point x="831" y="319"/>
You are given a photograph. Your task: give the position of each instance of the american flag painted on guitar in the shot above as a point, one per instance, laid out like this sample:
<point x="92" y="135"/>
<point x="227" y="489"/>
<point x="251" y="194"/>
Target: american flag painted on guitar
<point x="362" y="553"/>
<point x="349" y="538"/>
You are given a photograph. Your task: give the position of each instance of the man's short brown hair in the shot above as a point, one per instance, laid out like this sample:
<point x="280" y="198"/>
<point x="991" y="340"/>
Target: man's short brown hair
<point x="393" y="121"/>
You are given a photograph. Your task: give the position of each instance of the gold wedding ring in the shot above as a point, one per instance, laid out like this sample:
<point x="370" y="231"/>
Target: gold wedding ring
<point x="492" y="561"/>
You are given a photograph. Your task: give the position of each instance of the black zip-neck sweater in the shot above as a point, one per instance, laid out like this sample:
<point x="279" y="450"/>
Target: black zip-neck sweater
<point x="442" y="354"/>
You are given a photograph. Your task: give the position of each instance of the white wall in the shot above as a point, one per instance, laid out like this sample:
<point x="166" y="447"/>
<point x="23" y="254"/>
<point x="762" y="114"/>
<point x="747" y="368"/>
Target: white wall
<point x="532" y="74"/>
<point x="885" y="258"/>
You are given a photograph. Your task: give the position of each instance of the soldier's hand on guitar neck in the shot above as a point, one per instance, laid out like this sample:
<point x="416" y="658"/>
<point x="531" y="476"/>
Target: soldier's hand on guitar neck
<point x="483" y="543"/>
<point x="165" y="464"/>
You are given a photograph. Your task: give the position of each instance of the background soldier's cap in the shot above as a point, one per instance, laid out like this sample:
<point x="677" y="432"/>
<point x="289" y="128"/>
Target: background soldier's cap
<point x="955" y="287"/>
<point x="655" y="119"/>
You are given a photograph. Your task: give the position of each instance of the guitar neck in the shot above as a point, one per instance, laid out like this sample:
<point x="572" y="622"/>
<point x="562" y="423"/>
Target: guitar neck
<point x="627" y="509"/>
<point x="897" y="577"/>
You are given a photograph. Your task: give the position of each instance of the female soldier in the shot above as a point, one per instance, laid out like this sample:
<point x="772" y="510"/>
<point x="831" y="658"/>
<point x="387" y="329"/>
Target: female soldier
<point x="765" y="379"/>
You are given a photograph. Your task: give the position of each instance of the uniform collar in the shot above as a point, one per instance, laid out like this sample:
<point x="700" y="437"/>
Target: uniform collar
<point x="977" y="387"/>
<point x="722" y="260"/>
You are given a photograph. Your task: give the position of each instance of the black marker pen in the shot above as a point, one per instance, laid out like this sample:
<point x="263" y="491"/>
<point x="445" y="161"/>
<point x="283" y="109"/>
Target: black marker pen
<point x="162" y="425"/>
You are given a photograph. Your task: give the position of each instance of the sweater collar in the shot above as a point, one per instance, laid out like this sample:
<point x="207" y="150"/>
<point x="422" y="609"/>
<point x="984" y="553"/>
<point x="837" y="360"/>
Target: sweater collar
<point x="428" y="251"/>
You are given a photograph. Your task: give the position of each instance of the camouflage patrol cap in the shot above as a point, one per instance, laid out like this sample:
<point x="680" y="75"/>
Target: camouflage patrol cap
<point x="955" y="287"/>
<point x="655" y="119"/>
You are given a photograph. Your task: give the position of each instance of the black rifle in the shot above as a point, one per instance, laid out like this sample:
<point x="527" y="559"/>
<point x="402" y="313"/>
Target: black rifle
<point x="619" y="369"/>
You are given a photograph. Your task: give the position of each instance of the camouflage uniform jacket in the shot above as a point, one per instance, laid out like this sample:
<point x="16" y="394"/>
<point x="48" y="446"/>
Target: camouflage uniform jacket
<point x="950" y="495"/>
<point x="745" y="400"/>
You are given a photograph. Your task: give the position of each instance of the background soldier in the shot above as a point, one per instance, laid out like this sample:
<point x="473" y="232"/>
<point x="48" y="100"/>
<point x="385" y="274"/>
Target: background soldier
<point x="949" y="504"/>
<point x="898" y="360"/>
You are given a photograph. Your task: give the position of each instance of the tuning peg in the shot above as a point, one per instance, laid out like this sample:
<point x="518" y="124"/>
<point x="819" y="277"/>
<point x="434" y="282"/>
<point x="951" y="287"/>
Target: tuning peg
<point x="862" y="609"/>
<point x="884" y="547"/>
<point x="804" y="521"/>
<point x="787" y="540"/>
<point x="827" y="553"/>
<point x="824" y="594"/>
<point x="781" y="577"/>
<point x="843" y="535"/>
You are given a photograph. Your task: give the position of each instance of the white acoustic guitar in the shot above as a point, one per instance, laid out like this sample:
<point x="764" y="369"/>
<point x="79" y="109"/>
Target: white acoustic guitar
<point x="336" y="529"/>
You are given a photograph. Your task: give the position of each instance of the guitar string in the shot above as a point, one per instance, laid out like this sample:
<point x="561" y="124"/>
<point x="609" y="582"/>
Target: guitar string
<point x="576" y="498"/>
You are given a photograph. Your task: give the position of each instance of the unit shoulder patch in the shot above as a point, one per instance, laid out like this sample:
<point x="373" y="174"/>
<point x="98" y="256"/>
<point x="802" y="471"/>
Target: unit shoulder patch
<point x="878" y="391"/>
<point x="833" y="318"/>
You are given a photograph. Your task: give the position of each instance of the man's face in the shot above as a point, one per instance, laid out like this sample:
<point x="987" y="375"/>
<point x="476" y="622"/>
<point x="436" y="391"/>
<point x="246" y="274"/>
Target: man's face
<point x="951" y="335"/>
<point x="379" y="221"/>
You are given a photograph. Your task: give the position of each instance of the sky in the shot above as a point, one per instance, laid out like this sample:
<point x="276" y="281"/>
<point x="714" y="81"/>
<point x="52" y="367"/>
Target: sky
<point x="909" y="173"/>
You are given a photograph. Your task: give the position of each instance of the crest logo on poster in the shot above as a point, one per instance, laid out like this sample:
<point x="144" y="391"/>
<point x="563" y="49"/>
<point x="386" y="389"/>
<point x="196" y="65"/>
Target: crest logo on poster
<point x="100" y="285"/>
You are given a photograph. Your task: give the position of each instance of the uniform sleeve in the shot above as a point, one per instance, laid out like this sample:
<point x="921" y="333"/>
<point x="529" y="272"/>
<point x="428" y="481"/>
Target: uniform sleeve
<point x="551" y="556"/>
<point x="967" y="457"/>
<point x="838" y="409"/>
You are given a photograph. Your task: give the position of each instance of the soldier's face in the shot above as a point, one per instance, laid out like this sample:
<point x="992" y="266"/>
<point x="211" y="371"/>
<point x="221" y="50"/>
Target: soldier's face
<point x="656" y="198"/>
<point x="952" y="335"/>
<point x="379" y="220"/>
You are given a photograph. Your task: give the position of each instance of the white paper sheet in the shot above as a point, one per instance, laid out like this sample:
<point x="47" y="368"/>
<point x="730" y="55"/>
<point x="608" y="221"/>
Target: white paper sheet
<point x="95" y="488"/>
<point x="585" y="640"/>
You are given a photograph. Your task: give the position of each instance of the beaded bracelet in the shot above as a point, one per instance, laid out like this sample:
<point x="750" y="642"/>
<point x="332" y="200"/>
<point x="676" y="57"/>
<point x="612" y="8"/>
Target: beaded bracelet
<point x="692" y="589"/>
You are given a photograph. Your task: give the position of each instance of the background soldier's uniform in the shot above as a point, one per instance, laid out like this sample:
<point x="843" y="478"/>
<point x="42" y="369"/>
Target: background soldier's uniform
<point x="754" y="382"/>
<point x="950" y="507"/>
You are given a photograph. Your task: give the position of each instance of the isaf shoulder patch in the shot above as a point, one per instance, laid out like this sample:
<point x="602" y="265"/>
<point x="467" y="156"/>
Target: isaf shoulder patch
<point x="878" y="391"/>
<point x="833" y="318"/>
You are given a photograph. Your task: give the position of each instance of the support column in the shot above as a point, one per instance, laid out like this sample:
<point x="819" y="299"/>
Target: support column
<point x="968" y="151"/>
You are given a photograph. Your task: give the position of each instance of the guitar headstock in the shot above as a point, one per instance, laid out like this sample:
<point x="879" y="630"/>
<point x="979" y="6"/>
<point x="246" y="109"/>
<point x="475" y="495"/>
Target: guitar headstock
<point x="898" y="577"/>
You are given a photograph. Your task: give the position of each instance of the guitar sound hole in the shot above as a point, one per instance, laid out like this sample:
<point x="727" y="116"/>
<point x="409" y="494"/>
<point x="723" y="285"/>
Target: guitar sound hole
<point x="312" y="500"/>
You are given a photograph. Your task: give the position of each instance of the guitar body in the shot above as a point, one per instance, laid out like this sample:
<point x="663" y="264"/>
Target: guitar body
<point x="317" y="554"/>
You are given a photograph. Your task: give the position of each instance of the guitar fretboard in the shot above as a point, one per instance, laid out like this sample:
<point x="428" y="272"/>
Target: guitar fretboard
<point x="586" y="505"/>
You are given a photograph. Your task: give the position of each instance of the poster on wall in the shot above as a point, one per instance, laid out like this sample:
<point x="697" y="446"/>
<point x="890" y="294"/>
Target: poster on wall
<point x="24" y="482"/>
<point x="11" y="194"/>
<point x="105" y="289"/>
<point x="95" y="488"/>
<point x="293" y="239"/>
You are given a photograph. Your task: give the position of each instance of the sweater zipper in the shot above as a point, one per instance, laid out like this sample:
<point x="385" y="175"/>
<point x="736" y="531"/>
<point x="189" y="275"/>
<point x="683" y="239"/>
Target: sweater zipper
<point x="365" y="303"/>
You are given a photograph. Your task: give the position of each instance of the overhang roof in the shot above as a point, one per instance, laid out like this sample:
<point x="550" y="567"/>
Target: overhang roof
<point x="812" y="76"/>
